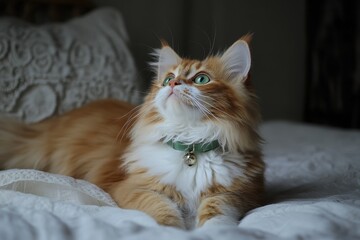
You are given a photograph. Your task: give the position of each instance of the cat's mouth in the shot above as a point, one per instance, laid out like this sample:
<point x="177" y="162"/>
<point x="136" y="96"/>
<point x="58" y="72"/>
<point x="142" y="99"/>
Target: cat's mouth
<point x="180" y="97"/>
<point x="174" y="97"/>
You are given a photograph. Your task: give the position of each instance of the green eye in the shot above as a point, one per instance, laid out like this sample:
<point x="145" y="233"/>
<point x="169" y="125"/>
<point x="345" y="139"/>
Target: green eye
<point x="201" y="79"/>
<point x="167" y="80"/>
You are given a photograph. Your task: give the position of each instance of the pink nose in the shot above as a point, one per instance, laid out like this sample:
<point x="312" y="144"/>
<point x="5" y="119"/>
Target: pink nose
<point x="174" y="82"/>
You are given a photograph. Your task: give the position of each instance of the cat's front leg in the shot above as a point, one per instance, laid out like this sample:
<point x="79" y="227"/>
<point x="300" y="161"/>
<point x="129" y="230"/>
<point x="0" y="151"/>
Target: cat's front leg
<point x="157" y="205"/>
<point x="222" y="209"/>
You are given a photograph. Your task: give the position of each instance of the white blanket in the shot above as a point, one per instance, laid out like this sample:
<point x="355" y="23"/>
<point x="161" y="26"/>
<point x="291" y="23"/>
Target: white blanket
<point x="313" y="188"/>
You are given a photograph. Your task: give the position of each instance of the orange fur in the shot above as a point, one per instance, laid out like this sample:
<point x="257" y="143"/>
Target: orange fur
<point x="92" y="143"/>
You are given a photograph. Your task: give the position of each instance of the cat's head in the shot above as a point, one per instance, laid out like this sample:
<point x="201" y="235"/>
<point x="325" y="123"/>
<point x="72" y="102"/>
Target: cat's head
<point x="206" y="99"/>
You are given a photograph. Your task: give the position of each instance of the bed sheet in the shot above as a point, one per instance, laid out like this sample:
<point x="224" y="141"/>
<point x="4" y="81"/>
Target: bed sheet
<point x="312" y="185"/>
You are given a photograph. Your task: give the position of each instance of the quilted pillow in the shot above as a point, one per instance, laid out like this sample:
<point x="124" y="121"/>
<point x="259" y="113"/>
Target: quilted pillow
<point x="50" y="69"/>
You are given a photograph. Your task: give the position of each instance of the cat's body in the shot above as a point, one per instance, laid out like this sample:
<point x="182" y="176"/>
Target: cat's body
<point x="125" y="149"/>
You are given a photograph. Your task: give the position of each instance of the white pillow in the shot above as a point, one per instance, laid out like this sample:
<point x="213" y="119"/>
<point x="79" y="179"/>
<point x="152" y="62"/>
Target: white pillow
<point x="54" y="186"/>
<point x="49" y="69"/>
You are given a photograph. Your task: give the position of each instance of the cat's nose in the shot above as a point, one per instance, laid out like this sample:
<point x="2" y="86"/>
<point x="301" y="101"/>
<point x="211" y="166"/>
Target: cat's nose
<point x="174" y="82"/>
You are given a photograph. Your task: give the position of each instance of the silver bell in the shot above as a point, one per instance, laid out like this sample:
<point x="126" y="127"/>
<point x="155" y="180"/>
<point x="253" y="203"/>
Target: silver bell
<point x="190" y="158"/>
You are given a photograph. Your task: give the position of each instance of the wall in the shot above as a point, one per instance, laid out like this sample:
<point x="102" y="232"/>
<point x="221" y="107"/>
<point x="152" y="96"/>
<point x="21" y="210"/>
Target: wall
<point x="195" y="27"/>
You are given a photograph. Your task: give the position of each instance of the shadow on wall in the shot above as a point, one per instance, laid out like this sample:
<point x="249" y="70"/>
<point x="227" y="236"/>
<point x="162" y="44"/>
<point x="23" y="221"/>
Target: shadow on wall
<point x="333" y="81"/>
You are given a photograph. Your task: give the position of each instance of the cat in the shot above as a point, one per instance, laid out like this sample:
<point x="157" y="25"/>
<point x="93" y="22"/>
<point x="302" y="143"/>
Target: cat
<point x="189" y="156"/>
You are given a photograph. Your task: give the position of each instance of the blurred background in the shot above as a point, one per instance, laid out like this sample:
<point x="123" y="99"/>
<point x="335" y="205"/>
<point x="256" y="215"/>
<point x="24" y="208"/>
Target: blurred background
<point x="306" y="54"/>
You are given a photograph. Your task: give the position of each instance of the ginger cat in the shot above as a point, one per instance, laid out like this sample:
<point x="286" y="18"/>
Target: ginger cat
<point x="189" y="155"/>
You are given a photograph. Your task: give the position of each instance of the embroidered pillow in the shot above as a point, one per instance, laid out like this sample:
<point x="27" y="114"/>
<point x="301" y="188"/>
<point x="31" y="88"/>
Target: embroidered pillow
<point x="50" y="69"/>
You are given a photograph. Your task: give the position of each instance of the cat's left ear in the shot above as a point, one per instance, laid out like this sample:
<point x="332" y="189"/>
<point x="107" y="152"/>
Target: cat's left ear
<point x="166" y="58"/>
<point x="237" y="59"/>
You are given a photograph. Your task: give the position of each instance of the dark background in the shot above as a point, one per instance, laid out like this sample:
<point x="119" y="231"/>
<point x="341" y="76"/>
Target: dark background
<point x="306" y="54"/>
<point x="193" y="28"/>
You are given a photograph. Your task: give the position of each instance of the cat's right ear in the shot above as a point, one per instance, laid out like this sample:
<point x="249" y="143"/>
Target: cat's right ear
<point x="165" y="58"/>
<point x="237" y="59"/>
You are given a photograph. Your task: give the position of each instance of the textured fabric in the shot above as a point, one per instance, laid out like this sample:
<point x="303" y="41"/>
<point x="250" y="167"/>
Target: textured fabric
<point x="312" y="182"/>
<point x="50" y="69"/>
<point x="54" y="186"/>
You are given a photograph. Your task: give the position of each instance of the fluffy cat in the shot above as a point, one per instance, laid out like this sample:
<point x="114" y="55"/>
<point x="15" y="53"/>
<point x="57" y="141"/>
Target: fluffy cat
<point x="137" y="153"/>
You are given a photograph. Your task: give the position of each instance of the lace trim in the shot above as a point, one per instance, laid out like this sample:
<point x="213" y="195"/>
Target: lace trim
<point x="29" y="176"/>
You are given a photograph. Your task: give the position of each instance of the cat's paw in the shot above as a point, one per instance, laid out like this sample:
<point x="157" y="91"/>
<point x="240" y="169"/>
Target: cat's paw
<point x="219" y="220"/>
<point x="171" y="220"/>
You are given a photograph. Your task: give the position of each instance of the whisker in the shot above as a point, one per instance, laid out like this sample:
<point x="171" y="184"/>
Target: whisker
<point x="128" y="125"/>
<point x="213" y="43"/>
<point x="210" y="105"/>
<point x="201" y="107"/>
<point x="130" y="112"/>
<point x="130" y="122"/>
<point x="134" y="113"/>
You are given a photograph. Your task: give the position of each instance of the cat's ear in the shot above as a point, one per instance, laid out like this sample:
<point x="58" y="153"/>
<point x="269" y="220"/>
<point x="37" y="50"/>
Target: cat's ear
<point x="237" y="59"/>
<point x="165" y="58"/>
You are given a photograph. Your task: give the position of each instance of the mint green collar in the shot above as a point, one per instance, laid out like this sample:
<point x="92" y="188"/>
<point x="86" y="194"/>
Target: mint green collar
<point x="195" y="148"/>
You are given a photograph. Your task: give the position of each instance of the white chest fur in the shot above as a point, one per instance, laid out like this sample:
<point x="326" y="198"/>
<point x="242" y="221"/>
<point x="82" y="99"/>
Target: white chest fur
<point x="163" y="161"/>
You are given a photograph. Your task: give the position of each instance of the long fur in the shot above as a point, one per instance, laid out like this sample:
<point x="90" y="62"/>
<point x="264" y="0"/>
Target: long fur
<point x="122" y="148"/>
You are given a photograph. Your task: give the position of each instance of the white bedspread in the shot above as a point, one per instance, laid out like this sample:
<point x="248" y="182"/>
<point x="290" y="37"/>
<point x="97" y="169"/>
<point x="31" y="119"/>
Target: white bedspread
<point x="313" y="187"/>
